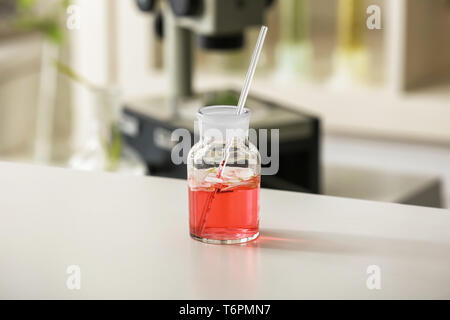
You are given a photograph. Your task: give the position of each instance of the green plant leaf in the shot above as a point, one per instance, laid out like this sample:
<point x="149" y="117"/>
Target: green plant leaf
<point x="49" y="27"/>
<point x="114" y="148"/>
<point x="48" y="24"/>
<point x="66" y="3"/>
<point x="25" y="4"/>
<point x="72" y="74"/>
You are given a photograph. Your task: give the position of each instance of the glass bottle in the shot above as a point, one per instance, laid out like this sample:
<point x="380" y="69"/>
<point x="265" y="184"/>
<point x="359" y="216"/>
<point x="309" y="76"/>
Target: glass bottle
<point x="224" y="171"/>
<point x="103" y="149"/>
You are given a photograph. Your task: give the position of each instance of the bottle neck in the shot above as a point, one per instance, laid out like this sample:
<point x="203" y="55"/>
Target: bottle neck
<point x="220" y="133"/>
<point x="222" y="124"/>
<point x="230" y="141"/>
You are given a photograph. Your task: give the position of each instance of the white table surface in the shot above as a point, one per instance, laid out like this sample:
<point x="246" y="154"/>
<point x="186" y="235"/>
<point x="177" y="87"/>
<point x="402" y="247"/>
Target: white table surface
<point x="129" y="235"/>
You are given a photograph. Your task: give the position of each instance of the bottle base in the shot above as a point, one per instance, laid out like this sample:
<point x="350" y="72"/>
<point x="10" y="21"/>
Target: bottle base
<point x="233" y="241"/>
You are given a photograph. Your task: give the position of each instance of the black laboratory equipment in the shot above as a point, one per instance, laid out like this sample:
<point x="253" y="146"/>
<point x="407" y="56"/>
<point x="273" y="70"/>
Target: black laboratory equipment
<point x="148" y="123"/>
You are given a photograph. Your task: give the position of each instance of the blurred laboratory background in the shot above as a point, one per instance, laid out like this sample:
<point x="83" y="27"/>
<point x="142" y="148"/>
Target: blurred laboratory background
<point x="360" y="89"/>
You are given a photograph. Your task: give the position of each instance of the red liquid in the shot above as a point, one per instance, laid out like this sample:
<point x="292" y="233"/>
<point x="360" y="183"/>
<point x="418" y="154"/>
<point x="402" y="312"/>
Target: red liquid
<point x="229" y="213"/>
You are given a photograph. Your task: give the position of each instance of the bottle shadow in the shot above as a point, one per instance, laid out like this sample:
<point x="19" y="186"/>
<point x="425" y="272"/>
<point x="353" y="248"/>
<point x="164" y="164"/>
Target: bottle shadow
<point x="336" y="243"/>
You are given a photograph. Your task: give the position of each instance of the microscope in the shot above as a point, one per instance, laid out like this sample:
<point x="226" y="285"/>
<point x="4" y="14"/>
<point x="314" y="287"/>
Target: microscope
<point x="215" y="25"/>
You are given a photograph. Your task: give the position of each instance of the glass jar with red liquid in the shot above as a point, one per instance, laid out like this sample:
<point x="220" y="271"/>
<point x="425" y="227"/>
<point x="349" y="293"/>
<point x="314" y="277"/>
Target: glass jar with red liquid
<point x="224" y="171"/>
